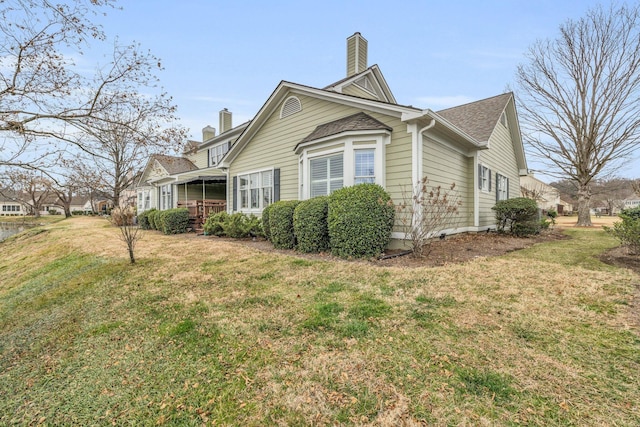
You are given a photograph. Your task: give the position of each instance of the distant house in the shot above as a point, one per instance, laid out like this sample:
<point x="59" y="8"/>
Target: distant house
<point x="11" y="205"/>
<point x="546" y="196"/>
<point x="307" y="141"/>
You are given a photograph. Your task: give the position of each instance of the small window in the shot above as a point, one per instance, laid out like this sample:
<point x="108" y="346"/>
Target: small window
<point x="290" y="106"/>
<point x="502" y="187"/>
<point x="484" y="178"/>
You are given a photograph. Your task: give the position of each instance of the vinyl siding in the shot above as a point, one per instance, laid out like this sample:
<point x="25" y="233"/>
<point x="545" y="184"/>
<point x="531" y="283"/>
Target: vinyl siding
<point x="444" y="165"/>
<point x="273" y="145"/>
<point x="500" y="158"/>
<point x="200" y="158"/>
<point x="359" y="92"/>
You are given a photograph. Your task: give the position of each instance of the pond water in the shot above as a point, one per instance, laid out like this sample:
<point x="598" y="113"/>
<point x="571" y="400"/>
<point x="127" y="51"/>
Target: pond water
<point x="10" y="228"/>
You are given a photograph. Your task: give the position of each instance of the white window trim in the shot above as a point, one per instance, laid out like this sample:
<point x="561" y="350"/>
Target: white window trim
<point x="215" y="162"/>
<point x="345" y="143"/>
<point x="485" y="178"/>
<point x="499" y="188"/>
<point x="258" y="210"/>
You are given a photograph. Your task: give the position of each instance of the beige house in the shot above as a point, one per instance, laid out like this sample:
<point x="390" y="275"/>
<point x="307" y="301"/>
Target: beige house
<point x="547" y="197"/>
<point x="308" y="141"/>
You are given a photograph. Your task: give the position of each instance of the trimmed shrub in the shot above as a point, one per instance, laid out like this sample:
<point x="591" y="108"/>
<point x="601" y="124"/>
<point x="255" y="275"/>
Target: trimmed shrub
<point x="174" y="221"/>
<point x="628" y="230"/>
<point x="360" y="219"/>
<point x="281" y="224"/>
<point x="310" y="225"/>
<point x="143" y="219"/>
<point x="265" y="222"/>
<point x="152" y="216"/>
<point x="213" y="224"/>
<point x="239" y="225"/>
<point x="519" y="215"/>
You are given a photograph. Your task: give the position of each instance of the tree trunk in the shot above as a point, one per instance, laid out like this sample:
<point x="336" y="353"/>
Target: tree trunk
<point x="584" y="214"/>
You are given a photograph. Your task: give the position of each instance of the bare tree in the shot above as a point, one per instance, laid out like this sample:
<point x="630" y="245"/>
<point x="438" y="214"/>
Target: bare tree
<point x="117" y="148"/>
<point x="636" y="187"/>
<point x="30" y="187"/>
<point x="49" y="104"/>
<point x="130" y="233"/>
<point x="426" y="211"/>
<point x="580" y="97"/>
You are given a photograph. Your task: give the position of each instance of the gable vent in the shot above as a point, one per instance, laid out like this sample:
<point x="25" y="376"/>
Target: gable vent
<point x="290" y="106"/>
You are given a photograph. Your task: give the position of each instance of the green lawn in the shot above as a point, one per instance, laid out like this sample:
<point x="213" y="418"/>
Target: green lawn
<point x="206" y="332"/>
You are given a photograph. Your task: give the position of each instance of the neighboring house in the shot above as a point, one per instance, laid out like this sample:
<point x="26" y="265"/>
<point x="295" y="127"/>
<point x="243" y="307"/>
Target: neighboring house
<point x="546" y="196"/>
<point x="308" y="141"/>
<point x="11" y="205"/>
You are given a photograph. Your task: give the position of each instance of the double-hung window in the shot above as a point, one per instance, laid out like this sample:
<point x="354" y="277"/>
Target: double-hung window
<point x="502" y="187"/>
<point x="326" y="174"/>
<point x="255" y="190"/>
<point x="217" y="152"/>
<point x="166" y="201"/>
<point x="364" y="167"/>
<point x="484" y="178"/>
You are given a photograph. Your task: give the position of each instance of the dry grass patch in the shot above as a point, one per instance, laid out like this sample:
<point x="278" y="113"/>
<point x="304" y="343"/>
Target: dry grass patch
<point x="205" y="331"/>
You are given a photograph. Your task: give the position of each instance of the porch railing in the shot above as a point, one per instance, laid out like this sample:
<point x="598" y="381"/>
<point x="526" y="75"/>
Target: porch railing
<point x="199" y="210"/>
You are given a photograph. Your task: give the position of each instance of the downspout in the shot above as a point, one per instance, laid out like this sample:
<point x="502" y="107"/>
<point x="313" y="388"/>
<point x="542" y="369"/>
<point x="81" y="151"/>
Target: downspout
<point x="421" y="147"/>
<point x="418" y="151"/>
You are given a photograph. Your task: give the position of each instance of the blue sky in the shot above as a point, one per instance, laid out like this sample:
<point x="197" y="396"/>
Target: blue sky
<point x="433" y="54"/>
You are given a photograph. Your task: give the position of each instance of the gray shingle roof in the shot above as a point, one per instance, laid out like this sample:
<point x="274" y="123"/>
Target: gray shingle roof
<point x="355" y="122"/>
<point x="478" y="119"/>
<point x="174" y="165"/>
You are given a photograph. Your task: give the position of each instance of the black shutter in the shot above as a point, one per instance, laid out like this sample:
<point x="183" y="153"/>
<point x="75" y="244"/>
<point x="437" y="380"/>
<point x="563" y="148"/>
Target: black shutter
<point x="480" y="177"/>
<point x="209" y="157"/>
<point x="235" y="194"/>
<point x="276" y="185"/>
<point x="489" y="173"/>
<point x="497" y="187"/>
<point x="507" y="180"/>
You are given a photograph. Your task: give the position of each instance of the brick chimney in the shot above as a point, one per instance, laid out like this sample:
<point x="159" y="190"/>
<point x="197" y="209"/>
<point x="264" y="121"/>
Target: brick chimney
<point x="225" y="120"/>
<point x="356" y="54"/>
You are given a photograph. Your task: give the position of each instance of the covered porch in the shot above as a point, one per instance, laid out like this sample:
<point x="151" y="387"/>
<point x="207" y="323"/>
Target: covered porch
<point x="201" y="195"/>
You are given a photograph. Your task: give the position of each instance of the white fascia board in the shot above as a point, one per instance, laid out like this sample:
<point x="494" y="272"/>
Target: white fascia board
<point x="429" y="114"/>
<point x="294" y="88"/>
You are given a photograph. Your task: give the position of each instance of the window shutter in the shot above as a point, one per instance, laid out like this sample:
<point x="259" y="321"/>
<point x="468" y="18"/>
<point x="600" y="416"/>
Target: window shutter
<point x="235" y="193"/>
<point x="489" y="173"/>
<point x="276" y="185"/>
<point x="507" y="181"/>
<point x="480" y="177"/>
<point x="497" y="187"/>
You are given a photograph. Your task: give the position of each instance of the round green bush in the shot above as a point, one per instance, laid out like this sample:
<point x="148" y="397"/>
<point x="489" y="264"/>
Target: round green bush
<point x="360" y="219"/>
<point x="519" y="210"/>
<point x="310" y="225"/>
<point x="152" y="216"/>
<point x="265" y="222"/>
<point x="143" y="219"/>
<point x="174" y="221"/>
<point x="281" y="224"/>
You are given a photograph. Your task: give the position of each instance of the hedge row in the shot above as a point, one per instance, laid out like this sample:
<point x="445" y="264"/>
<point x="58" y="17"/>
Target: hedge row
<point x="171" y="221"/>
<point x="352" y="222"/>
